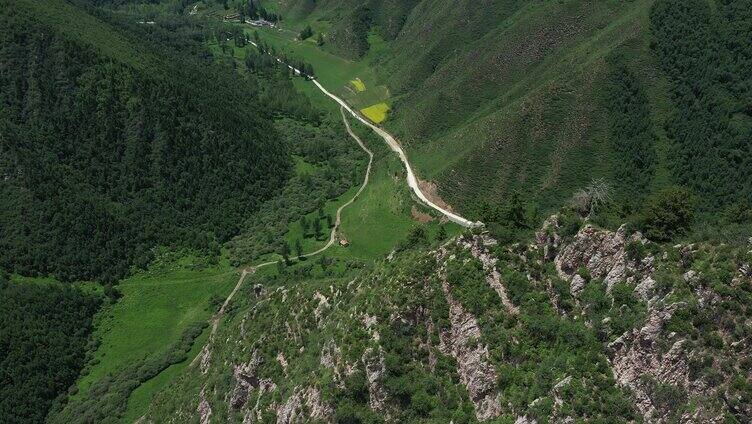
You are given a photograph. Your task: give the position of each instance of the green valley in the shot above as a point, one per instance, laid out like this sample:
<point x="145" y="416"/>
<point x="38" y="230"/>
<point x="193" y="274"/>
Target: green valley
<point x="375" y="211"/>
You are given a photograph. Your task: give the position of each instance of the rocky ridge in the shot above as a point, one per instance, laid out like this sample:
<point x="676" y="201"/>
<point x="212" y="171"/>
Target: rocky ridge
<point x="302" y="352"/>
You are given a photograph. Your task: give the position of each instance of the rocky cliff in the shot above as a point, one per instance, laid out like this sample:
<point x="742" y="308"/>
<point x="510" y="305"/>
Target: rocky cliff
<point x="597" y="325"/>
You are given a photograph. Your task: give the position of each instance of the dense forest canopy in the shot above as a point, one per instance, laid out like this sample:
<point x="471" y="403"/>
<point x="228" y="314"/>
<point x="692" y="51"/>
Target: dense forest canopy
<point x="102" y="160"/>
<point x="44" y="332"/>
<point x="707" y="55"/>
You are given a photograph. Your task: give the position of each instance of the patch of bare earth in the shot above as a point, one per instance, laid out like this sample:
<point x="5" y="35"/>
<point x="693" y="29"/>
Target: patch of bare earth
<point x="420" y="216"/>
<point x="431" y="191"/>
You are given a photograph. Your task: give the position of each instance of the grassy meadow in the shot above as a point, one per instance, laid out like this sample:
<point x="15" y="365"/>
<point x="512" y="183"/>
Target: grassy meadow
<point x="333" y="72"/>
<point x="155" y="308"/>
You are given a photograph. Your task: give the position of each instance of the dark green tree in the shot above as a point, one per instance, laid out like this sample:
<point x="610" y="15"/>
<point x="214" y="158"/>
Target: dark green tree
<point x="306" y="33"/>
<point x="304" y="225"/>
<point x="667" y="214"/>
<point x="284" y="251"/>
<point x="317" y="227"/>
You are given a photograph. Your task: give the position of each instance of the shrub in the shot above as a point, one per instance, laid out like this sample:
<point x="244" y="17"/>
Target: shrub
<point x="635" y="251"/>
<point x="667" y="214"/>
<point x="306" y="33"/>
<point x="570" y="223"/>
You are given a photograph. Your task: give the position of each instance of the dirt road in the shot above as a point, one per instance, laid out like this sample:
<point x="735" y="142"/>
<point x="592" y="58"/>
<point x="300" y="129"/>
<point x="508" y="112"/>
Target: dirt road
<point x="412" y="181"/>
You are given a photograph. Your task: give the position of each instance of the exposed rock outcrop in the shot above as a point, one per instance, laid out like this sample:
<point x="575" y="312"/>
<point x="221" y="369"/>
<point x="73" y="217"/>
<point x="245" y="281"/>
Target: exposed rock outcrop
<point x="289" y="412"/>
<point x="602" y="253"/>
<point x="317" y="409"/>
<point x="204" y="409"/>
<point x="331" y="357"/>
<point x="373" y="364"/>
<point x="282" y="361"/>
<point x="477" y="246"/>
<point x="636" y="357"/>
<point x="204" y="359"/>
<point x="548" y="238"/>
<point x="474" y="367"/>
<point x="303" y="406"/>
<point x="322" y="306"/>
<point x="245" y="379"/>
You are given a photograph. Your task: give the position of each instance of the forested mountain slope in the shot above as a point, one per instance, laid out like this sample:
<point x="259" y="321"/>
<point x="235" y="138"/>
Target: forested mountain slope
<point x="541" y="97"/>
<point x="44" y="337"/>
<point x="111" y="146"/>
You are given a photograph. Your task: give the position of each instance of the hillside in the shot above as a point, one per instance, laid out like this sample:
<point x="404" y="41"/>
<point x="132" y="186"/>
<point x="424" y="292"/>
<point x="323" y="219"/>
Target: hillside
<point x="542" y="97"/>
<point x="514" y="108"/>
<point x="122" y="145"/>
<point x="584" y="324"/>
<point x="193" y="231"/>
<point x="111" y="147"/>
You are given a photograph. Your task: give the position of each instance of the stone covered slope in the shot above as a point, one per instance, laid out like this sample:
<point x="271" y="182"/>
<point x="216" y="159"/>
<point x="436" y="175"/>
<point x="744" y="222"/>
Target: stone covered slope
<point x="594" y="325"/>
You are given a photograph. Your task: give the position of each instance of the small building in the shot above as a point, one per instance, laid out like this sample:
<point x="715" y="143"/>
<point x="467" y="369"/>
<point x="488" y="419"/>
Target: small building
<point x="343" y="242"/>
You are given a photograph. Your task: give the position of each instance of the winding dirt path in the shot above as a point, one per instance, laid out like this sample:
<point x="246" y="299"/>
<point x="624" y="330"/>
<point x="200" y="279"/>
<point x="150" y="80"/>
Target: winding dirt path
<point x="332" y="235"/>
<point x="412" y="180"/>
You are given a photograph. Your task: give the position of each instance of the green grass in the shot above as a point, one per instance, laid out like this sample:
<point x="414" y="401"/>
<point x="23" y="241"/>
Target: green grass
<point x="85" y="286"/>
<point x="509" y="102"/>
<point x="333" y="72"/>
<point x="155" y="308"/>
<point x="88" y="30"/>
<point x="141" y="398"/>
<point x="302" y="167"/>
<point x="380" y="217"/>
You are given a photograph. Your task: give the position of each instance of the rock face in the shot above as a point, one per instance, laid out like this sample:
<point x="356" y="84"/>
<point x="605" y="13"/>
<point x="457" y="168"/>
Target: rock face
<point x="322" y="306"/>
<point x="245" y="380"/>
<point x="205" y="359"/>
<point x="204" y="409"/>
<point x="373" y="363"/>
<point x="317" y="408"/>
<point x="333" y="331"/>
<point x="292" y="411"/>
<point x="636" y="354"/>
<point x="331" y="357"/>
<point x="644" y="356"/>
<point x="474" y="366"/>
<point x="477" y="247"/>
<point x="603" y="253"/>
<point x="289" y="411"/>
<point x="548" y="238"/>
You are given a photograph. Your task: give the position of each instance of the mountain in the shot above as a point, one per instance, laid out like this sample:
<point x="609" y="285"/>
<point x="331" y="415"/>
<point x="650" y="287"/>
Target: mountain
<point x="585" y="324"/>
<point x="191" y="231"/>
<point x="112" y="146"/>
<point x="116" y="140"/>
<point x="542" y="97"/>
